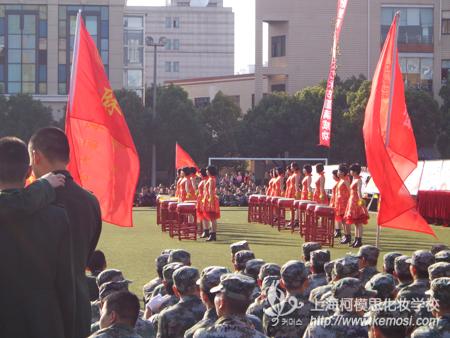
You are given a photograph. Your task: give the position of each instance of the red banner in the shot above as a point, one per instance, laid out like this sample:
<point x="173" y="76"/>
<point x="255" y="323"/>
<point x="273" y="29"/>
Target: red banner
<point x="183" y="159"/>
<point x="103" y="158"/>
<point x="390" y="144"/>
<point x="326" y="117"/>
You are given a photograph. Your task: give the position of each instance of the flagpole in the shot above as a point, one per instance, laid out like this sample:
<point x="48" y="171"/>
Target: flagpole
<point x="73" y="69"/>
<point x="388" y="123"/>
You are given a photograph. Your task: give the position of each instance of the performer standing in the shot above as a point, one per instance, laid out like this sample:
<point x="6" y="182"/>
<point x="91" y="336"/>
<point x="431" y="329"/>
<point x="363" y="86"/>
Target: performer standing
<point x="278" y="185"/>
<point x="296" y="180"/>
<point x="193" y="177"/>
<point x="269" y="184"/>
<point x="289" y="193"/>
<point x="211" y="202"/>
<point x="201" y="216"/>
<point x="356" y="212"/>
<point x="320" y="195"/>
<point x="337" y="232"/>
<point x="306" y="183"/>
<point x="340" y="203"/>
<point x="186" y="192"/>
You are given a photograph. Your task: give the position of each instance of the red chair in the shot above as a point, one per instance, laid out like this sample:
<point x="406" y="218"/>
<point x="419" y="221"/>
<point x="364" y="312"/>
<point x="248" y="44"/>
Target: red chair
<point x="262" y="217"/>
<point x="302" y="204"/>
<point x="323" y="231"/>
<point x="285" y="204"/>
<point x="310" y="221"/>
<point x="253" y="208"/>
<point x="172" y="217"/>
<point x="187" y="221"/>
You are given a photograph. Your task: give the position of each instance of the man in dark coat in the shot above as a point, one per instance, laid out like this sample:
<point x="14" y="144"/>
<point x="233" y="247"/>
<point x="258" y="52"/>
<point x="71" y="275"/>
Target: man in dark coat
<point x="37" y="285"/>
<point x="49" y="152"/>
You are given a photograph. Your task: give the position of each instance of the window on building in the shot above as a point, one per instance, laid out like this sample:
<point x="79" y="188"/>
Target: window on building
<point x="446" y="22"/>
<point x="168" y="22"/>
<point x="133" y="52"/>
<point x="278" y="88"/>
<point x="176" y="44"/>
<point x="23" y="58"/>
<point x="176" y="67"/>
<point x="445" y="71"/>
<point x="176" y="22"/>
<point x="168" y="45"/>
<point x="278" y="46"/>
<point x="168" y="66"/>
<point x="96" y="19"/>
<point x="417" y="72"/>
<point x="201" y="102"/>
<point x="416" y="25"/>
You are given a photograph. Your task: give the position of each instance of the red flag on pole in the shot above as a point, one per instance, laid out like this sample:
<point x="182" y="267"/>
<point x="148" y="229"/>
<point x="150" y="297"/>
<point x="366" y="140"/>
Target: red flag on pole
<point x="103" y="158"/>
<point x="183" y="159"/>
<point x="327" y="109"/>
<point x="390" y="143"/>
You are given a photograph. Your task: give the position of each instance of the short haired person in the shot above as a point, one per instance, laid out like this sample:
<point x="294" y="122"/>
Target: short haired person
<point x="368" y="259"/>
<point x="37" y="284"/>
<point x="356" y="212"/>
<point x="211" y="202"/>
<point x="160" y="262"/>
<point x="402" y="271"/>
<point x="389" y="319"/>
<point x="320" y="195"/>
<point x="49" y="152"/>
<point x="120" y="312"/>
<point x="307" y="248"/>
<point x="96" y="264"/>
<point x="306" y="183"/>
<point x="317" y="262"/>
<point x="240" y="260"/>
<point x="388" y="262"/>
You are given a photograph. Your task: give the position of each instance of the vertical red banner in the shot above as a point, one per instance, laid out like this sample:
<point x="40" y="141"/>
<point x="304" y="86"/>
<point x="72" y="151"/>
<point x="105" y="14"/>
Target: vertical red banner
<point x="326" y="117"/>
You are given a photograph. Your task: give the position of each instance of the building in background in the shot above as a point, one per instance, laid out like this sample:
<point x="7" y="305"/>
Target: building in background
<point x="36" y="43"/>
<point x="300" y="37"/>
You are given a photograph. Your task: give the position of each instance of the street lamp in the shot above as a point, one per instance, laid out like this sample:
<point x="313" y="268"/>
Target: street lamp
<point x="152" y="43"/>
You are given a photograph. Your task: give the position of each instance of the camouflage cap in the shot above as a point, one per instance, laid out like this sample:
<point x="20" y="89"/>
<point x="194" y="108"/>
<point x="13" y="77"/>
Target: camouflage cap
<point x="269" y="269"/>
<point x="442" y="256"/>
<point x="383" y="284"/>
<point x="319" y="257"/>
<point x="422" y="259"/>
<point x="438" y="270"/>
<point x="166" y="251"/>
<point x="347" y="266"/>
<point x="435" y="248"/>
<point x="328" y="267"/>
<point x="210" y="277"/>
<point x="109" y="275"/>
<point x="242" y="257"/>
<point x="270" y="281"/>
<point x="294" y="273"/>
<point x="309" y="247"/>
<point x="368" y="251"/>
<point x="185" y="278"/>
<point x="253" y="266"/>
<point x="169" y="269"/>
<point x="239" y="246"/>
<point x="180" y="256"/>
<point x="161" y="261"/>
<point x="235" y="286"/>
<point x="401" y="265"/>
<point x="350" y="287"/>
<point x="388" y="260"/>
<point x="440" y="290"/>
<point x="111" y="287"/>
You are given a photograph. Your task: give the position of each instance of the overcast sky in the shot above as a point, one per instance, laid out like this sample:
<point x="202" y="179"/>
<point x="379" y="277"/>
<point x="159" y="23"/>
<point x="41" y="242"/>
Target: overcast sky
<point x="244" y="31"/>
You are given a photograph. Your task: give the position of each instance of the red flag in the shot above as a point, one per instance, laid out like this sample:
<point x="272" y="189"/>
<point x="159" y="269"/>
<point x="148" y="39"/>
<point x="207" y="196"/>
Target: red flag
<point x="327" y="109"/>
<point x="103" y="158"/>
<point x="183" y="159"/>
<point x="390" y="143"/>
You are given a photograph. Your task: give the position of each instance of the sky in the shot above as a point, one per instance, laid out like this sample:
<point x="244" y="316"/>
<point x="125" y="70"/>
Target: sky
<point x="244" y="30"/>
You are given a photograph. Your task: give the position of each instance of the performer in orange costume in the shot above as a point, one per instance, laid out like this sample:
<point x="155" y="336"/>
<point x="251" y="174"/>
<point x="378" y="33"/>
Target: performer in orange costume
<point x="211" y="202"/>
<point x="356" y="212"/>
<point x="296" y="180"/>
<point x="186" y="192"/>
<point x="337" y="232"/>
<point x="341" y="201"/>
<point x="320" y="195"/>
<point x="193" y="177"/>
<point x="201" y="215"/>
<point x="278" y="186"/>
<point x="289" y="193"/>
<point x="306" y="183"/>
<point x="270" y="183"/>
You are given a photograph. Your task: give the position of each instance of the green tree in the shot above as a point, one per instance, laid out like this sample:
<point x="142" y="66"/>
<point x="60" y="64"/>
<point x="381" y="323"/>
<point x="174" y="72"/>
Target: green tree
<point x="443" y="141"/>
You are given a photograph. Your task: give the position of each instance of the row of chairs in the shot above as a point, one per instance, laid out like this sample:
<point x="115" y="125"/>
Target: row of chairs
<point x="178" y="219"/>
<point x="314" y="222"/>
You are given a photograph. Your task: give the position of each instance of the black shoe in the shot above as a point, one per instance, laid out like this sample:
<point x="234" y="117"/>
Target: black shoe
<point x="346" y="239"/>
<point x="212" y="237"/>
<point x="357" y="243"/>
<point x="205" y="234"/>
<point x="337" y="233"/>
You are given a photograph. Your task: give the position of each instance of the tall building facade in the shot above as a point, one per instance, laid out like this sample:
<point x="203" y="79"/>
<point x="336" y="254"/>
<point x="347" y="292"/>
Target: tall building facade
<point x="300" y="37"/>
<point x="36" y="43"/>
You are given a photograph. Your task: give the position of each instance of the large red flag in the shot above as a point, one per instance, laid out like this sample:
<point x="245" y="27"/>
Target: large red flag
<point x="103" y="158"/>
<point x="182" y="158"/>
<point x="390" y="143"/>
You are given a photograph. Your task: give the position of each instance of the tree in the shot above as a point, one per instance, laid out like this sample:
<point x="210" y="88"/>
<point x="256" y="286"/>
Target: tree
<point x="443" y="141"/>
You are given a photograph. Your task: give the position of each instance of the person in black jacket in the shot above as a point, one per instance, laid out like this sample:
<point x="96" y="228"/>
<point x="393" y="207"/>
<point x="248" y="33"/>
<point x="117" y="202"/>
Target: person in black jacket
<point x="37" y="289"/>
<point x="49" y="152"/>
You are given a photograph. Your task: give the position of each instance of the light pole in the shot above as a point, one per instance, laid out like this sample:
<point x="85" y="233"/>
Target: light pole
<point x="151" y="43"/>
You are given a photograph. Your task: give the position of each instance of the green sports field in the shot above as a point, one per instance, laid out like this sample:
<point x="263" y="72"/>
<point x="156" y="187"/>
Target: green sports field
<point x="133" y="250"/>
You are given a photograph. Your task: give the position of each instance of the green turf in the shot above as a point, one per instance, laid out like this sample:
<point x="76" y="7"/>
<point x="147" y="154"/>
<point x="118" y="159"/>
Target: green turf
<point x="133" y="250"/>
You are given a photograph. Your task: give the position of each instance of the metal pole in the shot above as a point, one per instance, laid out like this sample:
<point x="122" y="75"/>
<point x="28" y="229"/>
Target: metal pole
<point x="154" y="117"/>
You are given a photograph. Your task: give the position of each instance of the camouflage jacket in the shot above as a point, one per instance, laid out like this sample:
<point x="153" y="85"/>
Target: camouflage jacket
<point x="334" y="327"/>
<point x="143" y="327"/>
<point x="415" y="291"/>
<point x="439" y="329"/>
<point x="208" y="320"/>
<point x="150" y="287"/>
<point x="315" y="280"/>
<point x="116" y="331"/>
<point x="230" y="327"/>
<point x="175" y="320"/>
<point x="257" y="308"/>
<point x="367" y="273"/>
